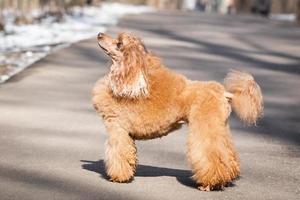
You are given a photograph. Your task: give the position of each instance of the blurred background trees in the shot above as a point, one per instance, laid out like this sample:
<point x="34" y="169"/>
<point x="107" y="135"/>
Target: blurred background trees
<point x="22" y="9"/>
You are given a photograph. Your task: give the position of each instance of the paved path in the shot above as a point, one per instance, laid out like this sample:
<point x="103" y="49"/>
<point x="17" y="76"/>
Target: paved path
<point x="51" y="140"/>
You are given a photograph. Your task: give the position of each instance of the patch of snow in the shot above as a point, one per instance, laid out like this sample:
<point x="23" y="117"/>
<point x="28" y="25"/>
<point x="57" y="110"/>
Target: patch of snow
<point x="35" y="41"/>
<point x="283" y="17"/>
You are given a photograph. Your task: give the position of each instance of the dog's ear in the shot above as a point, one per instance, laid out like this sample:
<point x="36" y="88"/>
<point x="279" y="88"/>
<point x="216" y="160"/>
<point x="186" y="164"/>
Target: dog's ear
<point x="129" y="77"/>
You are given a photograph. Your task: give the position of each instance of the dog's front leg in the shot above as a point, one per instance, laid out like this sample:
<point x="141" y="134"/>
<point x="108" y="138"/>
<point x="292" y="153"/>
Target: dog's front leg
<point x="120" y="154"/>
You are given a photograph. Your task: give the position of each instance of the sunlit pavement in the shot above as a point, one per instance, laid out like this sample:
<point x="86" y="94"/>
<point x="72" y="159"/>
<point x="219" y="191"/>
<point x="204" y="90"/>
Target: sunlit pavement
<point x="52" y="141"/>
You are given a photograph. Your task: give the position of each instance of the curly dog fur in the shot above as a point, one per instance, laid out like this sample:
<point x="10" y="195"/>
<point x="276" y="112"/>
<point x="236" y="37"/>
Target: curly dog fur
<point x="142" y="99"/>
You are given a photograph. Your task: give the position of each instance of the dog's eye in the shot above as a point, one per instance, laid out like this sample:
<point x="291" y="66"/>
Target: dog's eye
<point x="119" y="45"/>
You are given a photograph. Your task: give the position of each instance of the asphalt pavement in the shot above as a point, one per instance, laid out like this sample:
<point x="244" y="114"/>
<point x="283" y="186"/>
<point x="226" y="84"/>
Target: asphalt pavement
<point x="52" y="141"/>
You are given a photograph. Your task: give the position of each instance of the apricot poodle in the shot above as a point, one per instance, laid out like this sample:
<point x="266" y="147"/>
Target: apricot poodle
<point x="141" y="99"/>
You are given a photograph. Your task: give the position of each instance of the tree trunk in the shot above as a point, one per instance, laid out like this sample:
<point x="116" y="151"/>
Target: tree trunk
<point x="1" y="15"/>
<point x="243" y="5"/>
<point x="298" y="12"/>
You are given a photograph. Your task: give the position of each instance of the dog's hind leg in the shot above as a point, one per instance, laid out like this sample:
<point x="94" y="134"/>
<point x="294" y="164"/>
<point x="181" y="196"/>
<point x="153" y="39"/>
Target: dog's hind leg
<point x="120" y="154"/>
<point x="211" y="152"/>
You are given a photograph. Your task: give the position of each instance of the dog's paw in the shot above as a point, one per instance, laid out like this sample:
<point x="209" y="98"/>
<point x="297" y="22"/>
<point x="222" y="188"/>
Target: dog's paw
<point x="205" y="189"/>
<point x="211" y="188"/>
<point x="120" y="179"/>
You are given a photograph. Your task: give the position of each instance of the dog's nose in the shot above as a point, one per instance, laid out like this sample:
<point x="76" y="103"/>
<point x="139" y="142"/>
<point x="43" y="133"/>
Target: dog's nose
<point x="100" y="35"/>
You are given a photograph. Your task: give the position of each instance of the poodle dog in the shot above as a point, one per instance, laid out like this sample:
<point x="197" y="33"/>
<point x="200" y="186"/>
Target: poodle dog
<point x="141" y="99"/>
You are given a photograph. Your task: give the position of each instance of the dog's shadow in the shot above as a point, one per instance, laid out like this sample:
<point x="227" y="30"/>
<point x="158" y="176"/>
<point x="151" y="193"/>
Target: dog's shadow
<point x="182" y="176"/>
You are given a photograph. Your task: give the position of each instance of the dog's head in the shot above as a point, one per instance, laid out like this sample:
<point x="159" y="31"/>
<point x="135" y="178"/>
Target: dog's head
<point x="128" y="73"/>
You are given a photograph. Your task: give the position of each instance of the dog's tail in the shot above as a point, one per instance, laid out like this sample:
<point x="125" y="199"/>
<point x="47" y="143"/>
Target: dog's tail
<point x="246" y="101"/>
